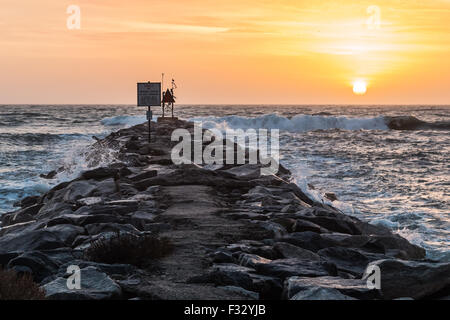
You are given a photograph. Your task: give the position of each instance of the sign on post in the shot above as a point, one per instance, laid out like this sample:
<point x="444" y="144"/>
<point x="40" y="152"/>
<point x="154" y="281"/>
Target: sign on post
<point x="149" y="94"/>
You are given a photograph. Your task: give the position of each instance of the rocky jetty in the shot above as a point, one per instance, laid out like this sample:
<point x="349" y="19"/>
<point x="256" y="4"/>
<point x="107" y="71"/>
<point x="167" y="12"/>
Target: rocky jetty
<point x="233" y="234"/>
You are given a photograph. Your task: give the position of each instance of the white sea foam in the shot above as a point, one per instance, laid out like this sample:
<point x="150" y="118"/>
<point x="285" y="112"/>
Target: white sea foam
<point x="300" y="179"/>
<point x="299" y="123"/>
<point x="123" y="120"/>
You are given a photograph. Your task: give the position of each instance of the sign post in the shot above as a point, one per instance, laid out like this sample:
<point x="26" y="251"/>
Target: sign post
<point x="149" y="94"/>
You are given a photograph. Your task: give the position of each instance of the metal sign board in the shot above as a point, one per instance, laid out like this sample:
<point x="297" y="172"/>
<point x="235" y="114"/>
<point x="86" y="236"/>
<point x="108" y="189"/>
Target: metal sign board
<point x="149" y="94"/>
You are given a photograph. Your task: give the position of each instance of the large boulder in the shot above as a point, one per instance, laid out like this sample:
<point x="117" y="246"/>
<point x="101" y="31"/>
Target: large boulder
<point x="66" y="232"/>
<point x="319" y="293"/>
<point x="105" y="188"/>
<point x="338" y="224"/>
<point x="251" y="260"/>
<point x="355" y="288"/>
<point x="144" y="175"/>
<point x="411" y="278"/>
<point x="391" y="245"/>
<point x="349" y="260"/>
<point x="284" y="268"/>
<point x="20" y="216"/>
<point x="308" y="240"/>
<point x="41" y="264"/>
<point x="226" y="275"/>
<point x="267" y="287"/>
<point x="77" y="190"/>
<point x="32" y="240"/>
<point x="95" y="285"/>
<point x="114" y="269"/>
<point x="287" y="250"/>
<point x="100" y="173"/>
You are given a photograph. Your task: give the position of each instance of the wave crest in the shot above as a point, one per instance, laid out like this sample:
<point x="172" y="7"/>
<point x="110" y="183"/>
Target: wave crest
<point x="298" y="123"/>
<point x="123" y="120"/>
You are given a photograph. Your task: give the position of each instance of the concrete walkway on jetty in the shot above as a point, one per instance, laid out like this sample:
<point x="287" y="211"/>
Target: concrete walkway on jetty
<point x="235" y="233"/>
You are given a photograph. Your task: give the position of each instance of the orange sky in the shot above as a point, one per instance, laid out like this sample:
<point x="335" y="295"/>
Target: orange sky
<point x="234" y="51"/>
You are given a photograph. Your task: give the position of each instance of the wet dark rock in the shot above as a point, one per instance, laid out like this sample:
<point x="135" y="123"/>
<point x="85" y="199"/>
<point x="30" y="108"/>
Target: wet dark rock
<point x="334" y="224"/>
<point x="40" y="264"/>
<point x="276" y="230"/>
<point x="100" y="173"/>
<point x="320" y="293"/>
<point x="412" y="278"/>
<point x="107" y="186"/>
<point x="304" y="225"/>
<point x="287" y="223"/>
<point x="291" y="208"/>
<point x="144" y="175"/>
<point x="28" y="201"/>
<point x="308" y="240"/>
<point x="49" y="175"/>
<point x="396" y="246"/>
<point x="349" y="260"/>
<point x="251" y="260"/>
<point x="331" y="196"/>
<point x="284" y="268"/>
<point x="95" y="285"/>
<point x="79" y="240"/>
<point x="266" y="251"/>
<point x="22" y="215"/>
<point x="269" y="202"/>
<point x="269" y="288"/>
<point x="12" y="218"/>
<point x="299" y="193"/>
<point x="97" y="228"/>
<point x="77" y="190"/>
<point x="110" y="269"/>
<point x="66" y="232"/>
<point x="289" y="251"/>
<point x="393" y="245"/>
<point x="247" y="171"/>
<point x="355" y="288"/>
<point x="6" y="257"/>
<point x="132" y="145"/>
<point x="404" y="122"/>
<point x="90" y="201"/>
<point x="33" y="240"/>
<point x="349" y="241"/>
<point x="163" y="160"/>
<point x="54" y="208"/>
<point x="221" y="256"/>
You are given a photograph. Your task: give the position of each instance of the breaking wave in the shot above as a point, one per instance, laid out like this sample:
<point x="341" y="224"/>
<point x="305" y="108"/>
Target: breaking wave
<point x="299" y="123"/>
<point x="123" y="120"/>
<point x="303" y="123"/>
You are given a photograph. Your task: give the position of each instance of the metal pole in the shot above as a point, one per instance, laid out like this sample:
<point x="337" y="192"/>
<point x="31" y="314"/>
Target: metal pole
<point x="149" y="127"/>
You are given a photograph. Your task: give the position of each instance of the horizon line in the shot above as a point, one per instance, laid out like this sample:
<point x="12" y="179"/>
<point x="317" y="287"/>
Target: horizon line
<point x="228" y="104"/>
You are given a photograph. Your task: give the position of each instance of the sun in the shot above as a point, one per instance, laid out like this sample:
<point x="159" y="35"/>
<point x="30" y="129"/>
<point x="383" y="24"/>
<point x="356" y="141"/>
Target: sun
<point x="359" y="87"/>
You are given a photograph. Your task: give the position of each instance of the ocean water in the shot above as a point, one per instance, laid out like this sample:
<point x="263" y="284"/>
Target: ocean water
<point x="396" y="178"/>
